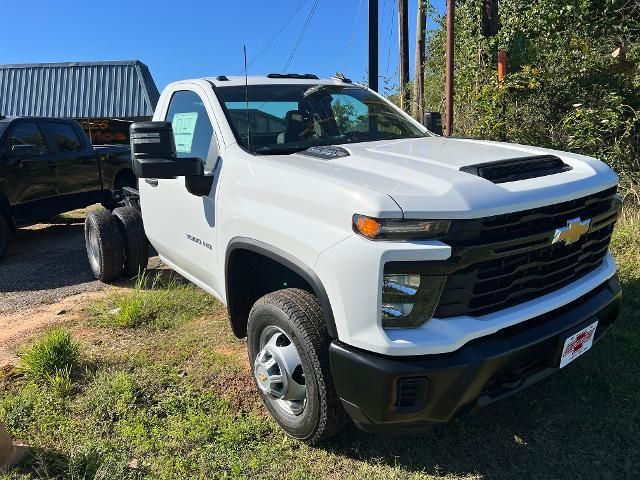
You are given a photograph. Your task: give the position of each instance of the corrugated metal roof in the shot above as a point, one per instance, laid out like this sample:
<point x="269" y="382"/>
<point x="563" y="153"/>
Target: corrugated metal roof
<point x="82" y="89"/>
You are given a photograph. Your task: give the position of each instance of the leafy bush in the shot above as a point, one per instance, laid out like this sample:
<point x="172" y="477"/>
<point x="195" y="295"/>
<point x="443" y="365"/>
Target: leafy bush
<point x="564" y="89"/>
<point x="51" y="358"/>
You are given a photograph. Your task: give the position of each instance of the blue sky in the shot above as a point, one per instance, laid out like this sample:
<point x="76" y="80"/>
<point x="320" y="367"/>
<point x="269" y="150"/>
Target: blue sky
<point x="193" y="38"/>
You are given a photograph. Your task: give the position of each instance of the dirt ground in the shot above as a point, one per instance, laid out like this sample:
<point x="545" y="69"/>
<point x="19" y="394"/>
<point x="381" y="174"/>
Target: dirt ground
<point x="44" y="280"/>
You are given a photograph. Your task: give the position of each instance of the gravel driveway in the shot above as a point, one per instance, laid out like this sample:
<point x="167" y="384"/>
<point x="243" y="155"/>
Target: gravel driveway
<point x="45" y="263"/>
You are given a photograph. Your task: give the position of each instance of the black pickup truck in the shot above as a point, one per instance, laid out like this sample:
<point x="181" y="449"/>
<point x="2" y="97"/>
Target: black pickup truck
<point x="48" y="166"/>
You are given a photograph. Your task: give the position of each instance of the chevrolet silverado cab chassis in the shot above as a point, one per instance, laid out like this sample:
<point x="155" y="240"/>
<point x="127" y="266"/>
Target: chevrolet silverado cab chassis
<point x="379" y="272"/>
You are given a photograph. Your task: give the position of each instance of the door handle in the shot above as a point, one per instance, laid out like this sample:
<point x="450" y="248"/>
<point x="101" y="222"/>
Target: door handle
<point x="152" y="181"/>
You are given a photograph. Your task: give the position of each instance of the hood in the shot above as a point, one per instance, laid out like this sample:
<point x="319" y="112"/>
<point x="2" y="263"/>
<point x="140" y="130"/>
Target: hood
<point x="424" y="177"/>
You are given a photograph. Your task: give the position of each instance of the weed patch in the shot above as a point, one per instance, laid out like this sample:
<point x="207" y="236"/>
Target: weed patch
<point x="157" y="303"/>
<point x="51" y="358"/>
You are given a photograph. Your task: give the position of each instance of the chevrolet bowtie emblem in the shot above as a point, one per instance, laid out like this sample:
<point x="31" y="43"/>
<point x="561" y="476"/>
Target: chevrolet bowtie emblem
<point x="572" y="232"/>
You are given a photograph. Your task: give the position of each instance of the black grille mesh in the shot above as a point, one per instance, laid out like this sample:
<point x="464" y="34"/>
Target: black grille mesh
<point x="506" y="260"/>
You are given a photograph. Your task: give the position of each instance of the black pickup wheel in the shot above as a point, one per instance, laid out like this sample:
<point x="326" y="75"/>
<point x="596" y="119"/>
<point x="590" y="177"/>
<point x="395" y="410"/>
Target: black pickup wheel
<point x="105" y="245"/>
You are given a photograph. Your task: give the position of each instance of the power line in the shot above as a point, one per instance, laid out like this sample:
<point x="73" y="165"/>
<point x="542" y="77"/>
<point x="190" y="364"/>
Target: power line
<point x="391" y="23"/>
<point x="353" y="35"/>
<point x="277" y="34"/>
<point x="301" y="36"/>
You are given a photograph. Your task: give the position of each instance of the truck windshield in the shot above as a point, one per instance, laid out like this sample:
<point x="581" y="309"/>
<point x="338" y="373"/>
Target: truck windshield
<point x="283" y="119"/>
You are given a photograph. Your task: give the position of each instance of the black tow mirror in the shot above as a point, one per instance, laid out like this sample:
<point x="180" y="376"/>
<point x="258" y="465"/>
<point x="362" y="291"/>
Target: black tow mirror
<point x="22" y="151"/>
<point x="433" y="122"/>
<point x="153" y="150"/>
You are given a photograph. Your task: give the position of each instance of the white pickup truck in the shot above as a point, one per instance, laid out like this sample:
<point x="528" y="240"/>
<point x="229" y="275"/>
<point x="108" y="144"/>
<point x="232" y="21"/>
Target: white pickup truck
<point x="379" y="272"/>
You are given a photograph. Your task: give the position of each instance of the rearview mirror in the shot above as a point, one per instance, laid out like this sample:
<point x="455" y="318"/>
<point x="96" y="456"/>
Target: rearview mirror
<point x="433" y="122"/>
<point x="24" y="151"/>
<point x="153" y="150"/>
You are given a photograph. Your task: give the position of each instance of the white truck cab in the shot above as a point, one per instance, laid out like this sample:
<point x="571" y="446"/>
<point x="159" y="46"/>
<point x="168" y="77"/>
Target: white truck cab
<point x="379" y="271"/>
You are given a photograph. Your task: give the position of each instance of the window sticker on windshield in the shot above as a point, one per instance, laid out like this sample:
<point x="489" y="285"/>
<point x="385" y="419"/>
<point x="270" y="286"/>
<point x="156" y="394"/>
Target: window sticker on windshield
<point x="184" y="126"/>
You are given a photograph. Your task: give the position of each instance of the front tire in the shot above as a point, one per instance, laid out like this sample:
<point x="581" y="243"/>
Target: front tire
<point x="289" y="354"/>
<point x="105" y="245"/>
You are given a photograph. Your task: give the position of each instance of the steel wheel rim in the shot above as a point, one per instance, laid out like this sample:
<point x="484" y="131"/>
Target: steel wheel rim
<point x="278" y="372"/>
<point x="94" y="249"/>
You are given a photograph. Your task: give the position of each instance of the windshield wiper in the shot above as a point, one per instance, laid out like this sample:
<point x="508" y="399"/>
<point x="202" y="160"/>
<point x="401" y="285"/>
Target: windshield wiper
<point x="279" y="151"/>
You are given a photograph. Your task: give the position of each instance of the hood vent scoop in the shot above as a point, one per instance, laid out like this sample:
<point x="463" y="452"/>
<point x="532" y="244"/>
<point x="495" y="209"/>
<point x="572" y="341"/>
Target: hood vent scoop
<point x="504" y="171"/>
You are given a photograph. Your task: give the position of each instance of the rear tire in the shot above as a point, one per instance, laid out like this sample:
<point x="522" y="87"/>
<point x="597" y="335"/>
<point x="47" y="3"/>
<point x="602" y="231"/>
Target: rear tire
<point x="105" y="245"/>
<point x="5" y="235"/>
<point x="136" y="245"/>
<point x="277" y="322"/>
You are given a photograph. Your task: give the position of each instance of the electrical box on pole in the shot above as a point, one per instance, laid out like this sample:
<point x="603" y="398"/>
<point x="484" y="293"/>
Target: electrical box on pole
<point x="489" y="19"/>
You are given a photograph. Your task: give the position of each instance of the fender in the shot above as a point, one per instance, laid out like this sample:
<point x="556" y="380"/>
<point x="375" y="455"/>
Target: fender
<point x="289" y="261"/>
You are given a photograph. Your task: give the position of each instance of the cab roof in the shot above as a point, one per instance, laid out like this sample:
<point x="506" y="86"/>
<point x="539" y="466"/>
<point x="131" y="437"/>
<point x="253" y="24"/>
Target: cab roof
<point x="275" y="79"/>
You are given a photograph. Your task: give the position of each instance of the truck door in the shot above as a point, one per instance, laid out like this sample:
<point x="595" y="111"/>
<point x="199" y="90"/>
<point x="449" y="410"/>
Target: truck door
<point x="181" y="226"/>
<point x="31" y="178"/>
<point x="76" y="161"/>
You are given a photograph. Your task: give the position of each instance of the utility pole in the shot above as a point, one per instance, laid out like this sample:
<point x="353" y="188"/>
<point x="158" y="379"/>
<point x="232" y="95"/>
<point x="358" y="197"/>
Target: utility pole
<point x="448" y="90"/>
<point x="418" y="88"/>
<point x="373" y="45"/>
<point x="403" y="42"/>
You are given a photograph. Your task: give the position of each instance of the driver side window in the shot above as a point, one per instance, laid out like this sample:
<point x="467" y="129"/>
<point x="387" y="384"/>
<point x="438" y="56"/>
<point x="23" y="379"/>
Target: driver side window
<point x="192" y="128"/>
<point x="28" y="134"/>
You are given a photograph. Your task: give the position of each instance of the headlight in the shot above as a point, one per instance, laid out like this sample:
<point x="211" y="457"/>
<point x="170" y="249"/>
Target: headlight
<point x="398" y="229"/>
<point x="408" y="301"/>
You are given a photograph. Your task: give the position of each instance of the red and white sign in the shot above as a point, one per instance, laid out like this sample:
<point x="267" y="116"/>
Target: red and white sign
<point x="577" y="344"/>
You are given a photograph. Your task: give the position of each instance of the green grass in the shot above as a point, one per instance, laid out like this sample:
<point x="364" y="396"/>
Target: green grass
<point x="178" y="402"/>
<point x="153" y="302"/>
<point x="50" y="360"/>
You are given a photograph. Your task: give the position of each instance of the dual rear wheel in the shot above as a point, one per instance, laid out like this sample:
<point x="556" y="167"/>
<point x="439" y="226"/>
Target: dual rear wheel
<point x="116" y="243"/>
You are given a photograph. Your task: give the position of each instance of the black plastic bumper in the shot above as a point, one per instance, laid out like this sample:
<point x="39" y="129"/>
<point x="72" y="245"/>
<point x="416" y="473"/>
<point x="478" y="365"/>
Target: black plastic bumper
<point x="383" y="393"/>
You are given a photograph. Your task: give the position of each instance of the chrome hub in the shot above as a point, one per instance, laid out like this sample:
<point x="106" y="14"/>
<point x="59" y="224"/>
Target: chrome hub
<point x="278" y="371"/>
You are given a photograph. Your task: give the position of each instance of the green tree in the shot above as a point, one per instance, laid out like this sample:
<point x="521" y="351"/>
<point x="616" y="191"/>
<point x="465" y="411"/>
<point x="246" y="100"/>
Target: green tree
<point x="573" y="82"/>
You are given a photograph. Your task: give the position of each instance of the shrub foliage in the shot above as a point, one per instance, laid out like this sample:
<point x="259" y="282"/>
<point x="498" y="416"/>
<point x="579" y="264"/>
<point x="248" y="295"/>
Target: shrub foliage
<point x="573" y="81"/>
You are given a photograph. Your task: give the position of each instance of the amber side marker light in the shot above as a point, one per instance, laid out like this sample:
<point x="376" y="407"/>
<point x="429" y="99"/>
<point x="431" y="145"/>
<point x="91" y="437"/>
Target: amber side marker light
<point x="398" y="229"/>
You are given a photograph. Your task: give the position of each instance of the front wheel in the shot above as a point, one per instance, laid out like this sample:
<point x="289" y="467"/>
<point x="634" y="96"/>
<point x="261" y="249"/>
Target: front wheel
<point x="289" y="354"/>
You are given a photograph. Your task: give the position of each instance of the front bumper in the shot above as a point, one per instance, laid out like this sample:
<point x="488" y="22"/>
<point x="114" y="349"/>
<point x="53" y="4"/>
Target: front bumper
<point x="384" y="393"/>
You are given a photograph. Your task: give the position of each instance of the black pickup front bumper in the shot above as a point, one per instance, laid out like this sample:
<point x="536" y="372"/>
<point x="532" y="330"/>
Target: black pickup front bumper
<point x="384" y="393"/>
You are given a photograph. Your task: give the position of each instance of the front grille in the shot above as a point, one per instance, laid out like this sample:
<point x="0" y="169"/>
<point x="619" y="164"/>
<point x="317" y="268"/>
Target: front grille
<point x="501" y="261"/>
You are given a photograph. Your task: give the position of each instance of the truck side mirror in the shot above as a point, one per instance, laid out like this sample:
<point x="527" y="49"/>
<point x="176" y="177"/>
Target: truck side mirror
<point x="21" y="151"/>
<point x="433" y="122"/>
<point x="153" y="150"/>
